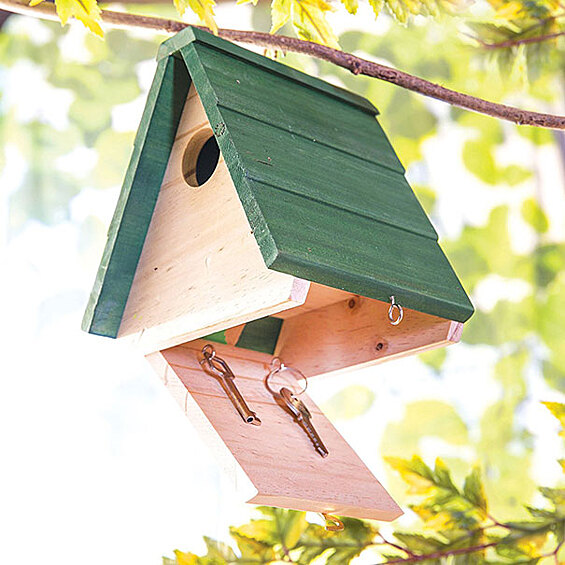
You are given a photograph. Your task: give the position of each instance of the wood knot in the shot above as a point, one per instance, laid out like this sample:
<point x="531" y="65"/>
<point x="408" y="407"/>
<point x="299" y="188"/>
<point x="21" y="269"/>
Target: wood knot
<point x="380" y="345"/>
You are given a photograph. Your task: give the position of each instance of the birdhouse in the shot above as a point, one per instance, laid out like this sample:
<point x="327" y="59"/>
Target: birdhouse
<point x="265" y="229"/>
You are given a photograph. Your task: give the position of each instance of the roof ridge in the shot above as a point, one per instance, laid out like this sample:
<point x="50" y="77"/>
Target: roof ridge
<point x="196" y="35"/>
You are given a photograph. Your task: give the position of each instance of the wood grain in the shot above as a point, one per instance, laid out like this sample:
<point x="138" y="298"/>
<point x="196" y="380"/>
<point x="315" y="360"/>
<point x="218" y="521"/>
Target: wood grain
<point x="201" y="270"/>
<point x="356" y="333"/>
<point x="138" y="195"/>
<point x="275" y="462"/>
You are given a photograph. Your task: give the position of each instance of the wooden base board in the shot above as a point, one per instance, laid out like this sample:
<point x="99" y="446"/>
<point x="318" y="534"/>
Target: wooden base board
<point x="275" y="463"/>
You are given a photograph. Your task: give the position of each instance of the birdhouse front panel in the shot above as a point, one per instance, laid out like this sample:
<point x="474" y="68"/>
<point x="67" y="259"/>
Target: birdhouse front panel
<point x="201" y="268"/>
<point x="265" y="218"/>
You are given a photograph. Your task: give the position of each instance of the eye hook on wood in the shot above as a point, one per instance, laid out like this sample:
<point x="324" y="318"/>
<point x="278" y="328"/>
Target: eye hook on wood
<point x="332" y="523"/>
<point x="395" y="320"/>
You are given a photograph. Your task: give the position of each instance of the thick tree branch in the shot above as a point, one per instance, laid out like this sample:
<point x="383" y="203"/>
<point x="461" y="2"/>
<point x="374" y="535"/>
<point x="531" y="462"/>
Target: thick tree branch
<point x="356" y="65"/>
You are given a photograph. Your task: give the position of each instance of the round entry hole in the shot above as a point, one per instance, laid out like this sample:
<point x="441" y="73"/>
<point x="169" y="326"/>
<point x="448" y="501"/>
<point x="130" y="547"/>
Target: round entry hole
<point x="200" y="158"/>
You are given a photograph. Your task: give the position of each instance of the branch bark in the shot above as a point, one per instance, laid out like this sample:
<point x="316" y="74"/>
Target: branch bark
<point x="523" y="41"/>
<point x="440" y="554"/>
<point x="356" y="65"/>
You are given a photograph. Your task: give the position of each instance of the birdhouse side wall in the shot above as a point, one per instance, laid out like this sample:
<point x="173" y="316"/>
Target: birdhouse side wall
<point x="201" y="269"/>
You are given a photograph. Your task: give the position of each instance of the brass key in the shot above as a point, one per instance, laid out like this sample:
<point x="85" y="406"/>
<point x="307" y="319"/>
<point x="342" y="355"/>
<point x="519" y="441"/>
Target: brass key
<point x="218" y="368"/>
<point x="303" y="417"/>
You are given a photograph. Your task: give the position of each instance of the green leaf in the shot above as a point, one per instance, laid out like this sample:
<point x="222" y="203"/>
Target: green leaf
<point x="349" y="403"/>
<point x="278" y="526"/>
<point x="443" y="476"/>
<point x="474" y="490"/>
<point x="557" y="497"/>
<point x="534" y="215"/>
<point x="336" y="547"/>
<point x="419" y="543"/>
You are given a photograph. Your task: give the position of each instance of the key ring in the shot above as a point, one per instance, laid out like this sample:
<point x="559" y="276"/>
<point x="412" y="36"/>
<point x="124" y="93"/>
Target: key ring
<point x="400" y="312"/>
<point x="277" y="367"/>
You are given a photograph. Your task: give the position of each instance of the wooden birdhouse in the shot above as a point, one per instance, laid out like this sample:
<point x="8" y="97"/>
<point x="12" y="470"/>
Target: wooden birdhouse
<point x="265" y="214"/>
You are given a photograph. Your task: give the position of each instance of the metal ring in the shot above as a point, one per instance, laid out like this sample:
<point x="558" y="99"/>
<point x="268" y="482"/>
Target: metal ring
<point x="209" y="352"/>
<point x="394" y="305"/>
<point x="277" y="366"/>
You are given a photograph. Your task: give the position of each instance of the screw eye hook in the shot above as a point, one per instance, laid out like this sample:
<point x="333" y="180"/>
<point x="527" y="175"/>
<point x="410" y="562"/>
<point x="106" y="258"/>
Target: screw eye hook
<point x="332" y="523"/>
<point x="395" y="312"/>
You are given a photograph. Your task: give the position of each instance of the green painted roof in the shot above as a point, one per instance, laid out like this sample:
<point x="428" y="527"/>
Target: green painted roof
<point x="323" y="190"/>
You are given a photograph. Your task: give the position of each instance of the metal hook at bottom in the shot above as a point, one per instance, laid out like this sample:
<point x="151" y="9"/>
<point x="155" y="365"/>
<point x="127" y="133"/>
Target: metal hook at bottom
<point x="332" y="523"/>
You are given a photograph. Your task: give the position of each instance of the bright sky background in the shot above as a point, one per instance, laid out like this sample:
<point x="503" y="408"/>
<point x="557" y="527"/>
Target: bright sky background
<point x="99" y="466"/>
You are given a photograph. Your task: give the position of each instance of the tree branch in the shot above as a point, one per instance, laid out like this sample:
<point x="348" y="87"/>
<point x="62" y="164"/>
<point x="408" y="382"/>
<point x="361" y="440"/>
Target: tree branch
<point x="523" y="41"/>
<point x="440" y="554"/>
<point x="356" y="65"/>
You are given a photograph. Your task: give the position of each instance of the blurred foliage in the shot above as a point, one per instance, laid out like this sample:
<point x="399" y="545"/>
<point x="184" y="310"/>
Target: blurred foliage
<point x="520" y="35"/>
<point x="75" y="155"/>
<point x="456" y="527"/>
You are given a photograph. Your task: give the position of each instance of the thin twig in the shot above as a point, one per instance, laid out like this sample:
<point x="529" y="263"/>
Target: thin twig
<point x="440" y="554"/>
<point x="523" y="41"/>
<point x="356" y="65"/>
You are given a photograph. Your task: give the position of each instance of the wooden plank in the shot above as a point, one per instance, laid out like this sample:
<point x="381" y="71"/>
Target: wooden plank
<point x="275" y="461"/>
<point x="195" y="36"/>
<point x="318" y="297"/>
<point x="254" y="91"/>
<point x="323" y="174"/>
<point x="356" y="333"/>
<point x="201" y="270"/>
<point x="137" y="198"/>
<point x="338" y="249"/>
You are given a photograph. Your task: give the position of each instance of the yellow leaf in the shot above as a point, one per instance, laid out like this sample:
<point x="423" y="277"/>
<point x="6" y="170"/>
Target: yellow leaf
<point x="87" y="11"/>
<point x="35" y="2"/>
<point x="185" y="558"/>
<point x="309" y="20"/>
<point x="532" y="544"/>
<point x="510" y="10"/>
<point x="280" y="13"/>
<point x="204" y="9"/>
<point x="377" y="6"/>
<point x="415" y="472"/>
<point x="351" y="5"/>
<point x="398" y="10"/>
<point x="558" y="410"/>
